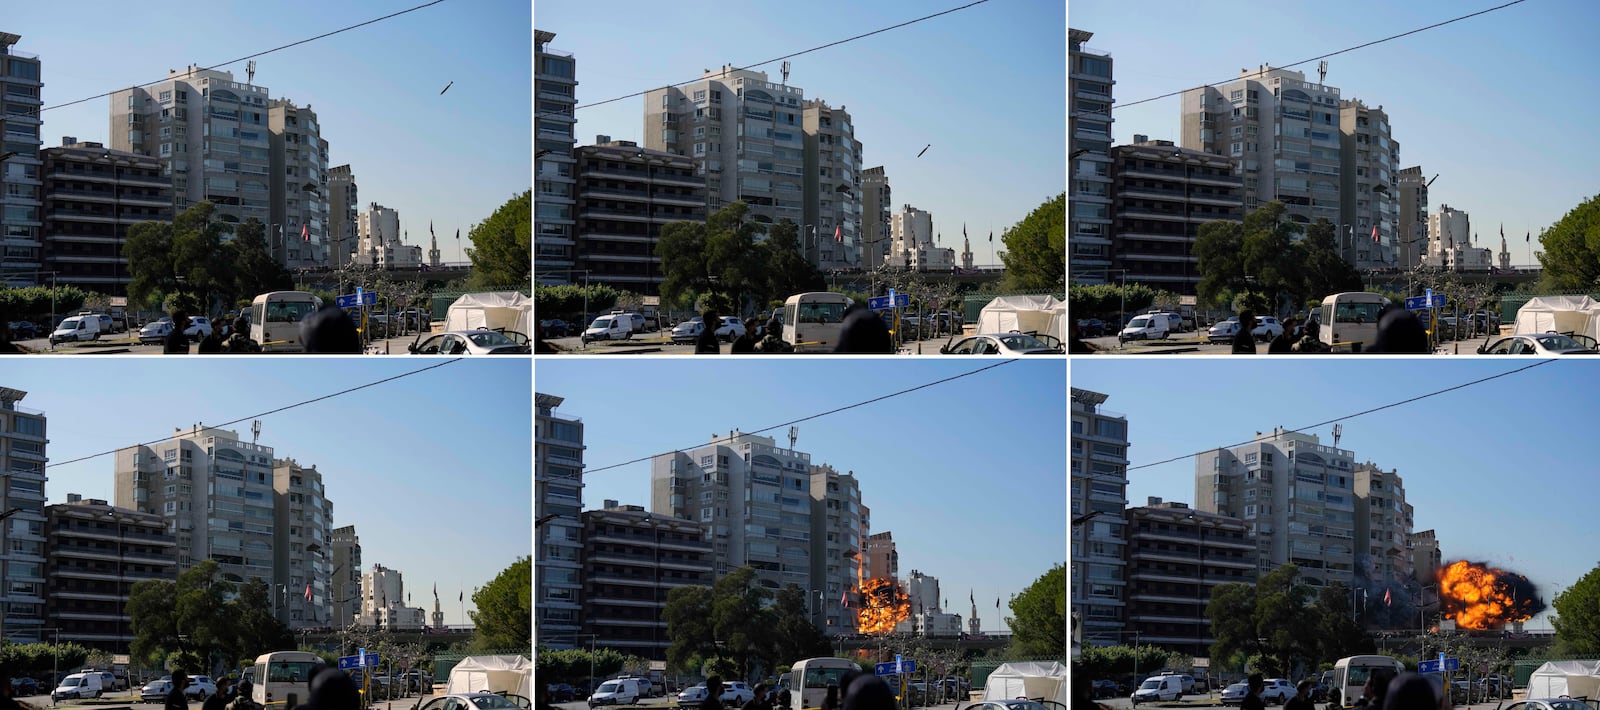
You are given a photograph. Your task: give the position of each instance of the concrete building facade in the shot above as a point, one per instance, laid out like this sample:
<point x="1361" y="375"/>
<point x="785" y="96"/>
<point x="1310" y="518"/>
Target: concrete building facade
<point x="1098" y="533"/>
<point x="1089" y="118"/>
<point x="22" y="249"/>
<point x="1383" y="533"/>
<point x="302" y="540"/>
<point x="95" y="554"/>
<point x="211" y="131"/>
<point x="877" y="200"/>
<point x="214" y="491"/>
<point x="1176" y="556"/>
<point x="554" y="206"/>
<point x="1297" y="497"/>
<point x="381" y="243"/>
<point x="345" y="579"/>
<point x="92" y="195"/>
<point x="1369" y="186"/>
<point x="626" y="194"/>
<point x="383" y="601"/>
<point x="883" y="560"/>
<point x="1412" y="234"/>
<point x="1450" y="242"/>
<point x="832" y="188"/>
<point x="1283" y="130"/>
<point x="558" y="539"/>
<point x="839" y="527"/>
<point x="913" y="245"/>
<point x="1161" y="194"/>
<point x="631" y="560"/>
<point x="343" y="201"/>
<point x="300" y="189"/>
<point x="23" y="448"/>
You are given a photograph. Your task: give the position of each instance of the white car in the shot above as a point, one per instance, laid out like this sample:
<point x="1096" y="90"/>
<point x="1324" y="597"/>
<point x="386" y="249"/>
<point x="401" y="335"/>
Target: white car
<point x="736" y="692"/>
<point x="1187" y="681"/>
<point x="1538" y="344"/>
<point x="1223" y="332"/>
<point x="1277" y="689"/>
<point x="1234" y="694"/>
<point x="476" y="701"/>
<point x="730" y="329"/>
<point x="199" y="327"/>
<point x="155" y="333"/>
<point x="688" y="331"/>
<point x="1267" y="328"/>
<point x="692" y="695"/>
<point x="1000" y="344"/>
<point x="467" y="342"/>
<point x="1158" y="688"/>
<point x="156" y="690"/>
<point x="201" y="687"/>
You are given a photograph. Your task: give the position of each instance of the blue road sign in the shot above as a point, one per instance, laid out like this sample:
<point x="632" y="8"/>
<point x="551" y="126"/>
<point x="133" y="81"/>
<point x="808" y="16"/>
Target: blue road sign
<point x="351" y="300"/>
<point x="879" y="303"/>
<point x="349" y="662"/>
<point x="1415" y="303"/>
<point x="1438" y="301"/>
<point x="905" y="666"/>
<point x="1450" y="664"/>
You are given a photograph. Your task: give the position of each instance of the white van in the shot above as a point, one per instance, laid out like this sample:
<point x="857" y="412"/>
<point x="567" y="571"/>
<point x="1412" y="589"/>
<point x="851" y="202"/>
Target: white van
<point x="1149" y="326"/>
<point x="810" y="678"/>
<point x="1158" y="688"/>
<point x="1349" y="321"/>
<point x="76" y="330"/>
<point x="80" y="686"/>
<point x="622" y="691"/>
<point x="617" y="326"/>
<point x="275" y="319"/>
<point x="280" y="673"/>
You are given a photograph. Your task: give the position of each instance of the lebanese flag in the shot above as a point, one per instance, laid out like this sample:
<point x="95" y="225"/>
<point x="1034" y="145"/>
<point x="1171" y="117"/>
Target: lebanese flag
<point x="838" y="233"/>
<point x="1374" y="234"/>
<point x="305" y="233"/>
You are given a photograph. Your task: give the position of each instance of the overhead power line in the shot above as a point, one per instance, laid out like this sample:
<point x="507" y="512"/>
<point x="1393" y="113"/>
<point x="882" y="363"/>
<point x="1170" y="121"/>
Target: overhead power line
<point x="796" y="54"/>
<point x="1357" y="414"/>
<point x="1330" y="54"/>
<point x="274" y="411"/>
<point x="818" y="415"/>
<point x="253" y="56"/>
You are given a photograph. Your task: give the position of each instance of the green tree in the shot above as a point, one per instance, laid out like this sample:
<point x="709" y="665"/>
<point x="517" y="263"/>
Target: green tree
<point x="1036" y="248"/>
<point x="743" y="623"/>
<point x="717" y="258"/>
<point x="1038" y="618"/>
<point x="787" y="271"/>
<point x="254" y="270"/>
<point x="1232" y="611"/>
<point x="1257" y="256"/>
<point x="684" y="267"/>
<point x="795" y="636"/>
<point x="690" y="629"/>
<point x="198" y="256"/>
<point x="502" y="253"/>
<point x="256" y="630"/>
<point x="148" y="249"/>
<point x="1282" y="617"/>
<point x="1570" y="249"/>
<point x="1577" y="619"/>
<point x="1338" y="635"/>
<point x="504" y="617"/>
<point x="1325" y="272"/>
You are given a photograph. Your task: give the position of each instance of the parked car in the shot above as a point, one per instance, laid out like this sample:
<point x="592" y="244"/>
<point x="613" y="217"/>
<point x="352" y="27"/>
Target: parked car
<point x="737" y="692"/>
<point x="1277" y="689"/>
<point x="1554" y="704"/>
<point x="1186" y="681"/>
<point x="1104" y="688"/>
<point x="1267" y="328"/>
<point x="23" y="687"/>
<point x="156" y="690"/>
<point x="155" y="333"/>
<point x="553" y="328"/>
<point x="467" y="342"/>
<point x="80" y="686"/>
<point x="23" y="330"/>
<point x="999" y="344"/>
<point x="609" y="327"/>
<point x="1223" y="332"/>
<point x="1234" y="694"/>
<point x="560" y="692"/>
<point x="1091" y="327"/>
<point x="730" y="329"/>
<point x="692" y="695"/>
<point x="475" y="701"/>
<point x="1150" y="326"/>
<point x="1538" y="344"/>
<point x="688" y="331"/>
<point x="1158" y="688"/>
<point x="623" y="691"/>
<point x="76" y="329"/>
<point x="201" y="687"/>
<point x="199" y="327"/>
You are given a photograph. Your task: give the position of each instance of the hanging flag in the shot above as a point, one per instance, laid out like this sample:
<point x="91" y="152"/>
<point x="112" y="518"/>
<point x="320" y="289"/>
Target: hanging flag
<point x="461" y="597"/>
<point x="1374" y="234"/>
<point x="435" y="592"/>
<point x="838" y="233"/>
<point x="991" y="236"/>
<point x="844" y="598"/>
<point x="1386" y="597"/>
<point x="1527" y="237"/>
<point x="308" y="592"/>
<point x="305" y="232"/>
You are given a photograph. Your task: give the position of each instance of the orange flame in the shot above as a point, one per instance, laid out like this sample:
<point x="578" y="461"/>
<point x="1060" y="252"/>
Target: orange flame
<point x="883" y="605"/>
<point x="1480" y="597"/>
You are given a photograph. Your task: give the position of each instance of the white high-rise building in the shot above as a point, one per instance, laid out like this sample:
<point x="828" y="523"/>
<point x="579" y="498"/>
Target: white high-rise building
<point x="1450" y="242"/>
<point x="912" y="244"/>
<point x="21" y="209"/>
<point x="343" y="202"/>
<point x="832" y="187"/>
<point x="1369" y="187"/>
<point x="302" y="545"/>
<point x="345" y="579"/>
<point x="554" y="217"/>
<point x="1089" y="121"/>
<point x="300" y="189"/>
<point x="380" y="242"/>
<point x="558" y="497"/>
<point x="1098" y="531"/>
<point x="22" y="578"/>
<point x="839" y="528"/>
<point x="383" y="601"/>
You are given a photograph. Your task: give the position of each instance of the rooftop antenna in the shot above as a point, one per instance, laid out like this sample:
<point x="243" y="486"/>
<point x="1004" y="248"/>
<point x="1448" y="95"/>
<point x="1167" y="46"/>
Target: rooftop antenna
<point x="786" y="73"/>
<point x="794" y="433"/>
<point x="1338" y="431"/>
<point x="255" y="431"/>
<point x="250" y="72"/>
<point x="1322" y="72"/>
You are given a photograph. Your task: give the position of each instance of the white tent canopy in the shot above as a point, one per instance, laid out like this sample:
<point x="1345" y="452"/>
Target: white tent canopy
<point x="493" y="674"/>
<point x="501" y="309"/>
<point x="1028" y="679"/>
<point x="1036" y="314"/>
<point x="1560" y="314"/>
<point x="1570" y="678"/>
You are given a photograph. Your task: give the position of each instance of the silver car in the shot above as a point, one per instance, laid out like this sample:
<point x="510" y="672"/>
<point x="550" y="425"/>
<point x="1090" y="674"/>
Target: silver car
<point x="468" y="342"/>
<point x="1234" y="694"/>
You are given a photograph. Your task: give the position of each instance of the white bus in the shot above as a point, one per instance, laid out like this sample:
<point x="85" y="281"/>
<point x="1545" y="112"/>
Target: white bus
<point x="809" y="680"/>
<point x="1348" y="319"/>
<point x="813" y="321"/>
<point x="280" y="673"/>
<point x="275" y="319"/>
<point x="1350" y="676"/>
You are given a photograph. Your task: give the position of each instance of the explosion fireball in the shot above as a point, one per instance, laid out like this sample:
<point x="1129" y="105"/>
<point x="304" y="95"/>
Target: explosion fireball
<point x="1480" y="597"/>
<point x="883" y="605"/>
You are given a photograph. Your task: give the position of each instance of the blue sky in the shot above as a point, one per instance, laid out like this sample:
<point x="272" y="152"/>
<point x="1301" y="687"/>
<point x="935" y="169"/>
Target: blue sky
<point x="1496" y="469"/>
<point x="985" y="86"/>
<point x="452" y="159"/>
<point x="1496" y="105"/>
<point x="434" y="474"/>
<point x="968" y="475"/>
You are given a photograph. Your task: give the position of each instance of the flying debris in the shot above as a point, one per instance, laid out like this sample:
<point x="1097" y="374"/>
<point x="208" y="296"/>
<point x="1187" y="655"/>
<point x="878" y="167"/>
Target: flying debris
<point x="447" y="87"/>
<point x="924" y="149"/>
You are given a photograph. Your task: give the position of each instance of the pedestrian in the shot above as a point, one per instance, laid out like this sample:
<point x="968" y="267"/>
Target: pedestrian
<point x="1412" y="691"/>
<point x="1284" y="343"/>
<point x="1302" y="697"/>
<point x="863" y="332"/>
<point x="244" y="697"/>
<point x="706" y="343"/>
<point x="868" y="692"/>
<point x="219" y="700"/>
<point x="759" y="701"/>
<point x="1252" y="697"/>
<point x="177" y="343"/>
<point x="8" y="700"/>
<point x="240" y="342"/>
<point x="176" y="698"/>
<point x="1244" y="341"/>
<point x="332" y="689"/>
<point x="746" y="343"/>
<point x="714" y="683"/>
<point x="329" y="330"/>
<point x="212" y="343"/>
<point x="1377" y="687"/>
<point x="1311" y="340"/>
<point x="6" y="346"/>
<point x="830" y="701"/>
<point x="1399" y="331"/>
<point x="772" y="341"/>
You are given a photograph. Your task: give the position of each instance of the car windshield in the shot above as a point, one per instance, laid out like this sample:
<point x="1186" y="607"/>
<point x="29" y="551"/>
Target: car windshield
<point x="68" y="683"/>
<point x="608" y="687"/>
<point x="1149" y="684"/>
<point x="1139" y="322"/>
<point x="601" y="323"/>
<point x="824" y="677"/>
<point x="492" y="702"/>
<point x="1022" y="342"/>
<point x="1559" y="342"/>
<point x="489" y="339"/>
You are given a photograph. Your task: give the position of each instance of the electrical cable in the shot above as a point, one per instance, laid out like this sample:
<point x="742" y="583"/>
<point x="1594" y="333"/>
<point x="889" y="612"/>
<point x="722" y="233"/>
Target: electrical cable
<point x="252" y="56"/>
<point x="1353" y="416"/>
<point x="1313" y="59"/>
<point x="952" y="378"/>
<point x="796" y="54"/>
<point x="271" y="411"/>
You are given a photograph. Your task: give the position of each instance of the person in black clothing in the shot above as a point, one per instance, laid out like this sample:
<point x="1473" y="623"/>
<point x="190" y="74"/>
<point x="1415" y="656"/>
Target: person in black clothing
<point x="759" y="701"/>
<point x="1377" y="687"/>
<point x="831" y="700"/>
<point x="1399" y="331"/>
<point x="177" y="343"/>
<point x="714" y="683"/>
<point x="219" y="701"/>
<point x="8" y="700"/>
<point x="1285" y="341"/>
<point x="746" y="343"/>
<point x="863" y="332"/>
<point x="1252" y="697"/>
<point x="868" y="692"/>
<point x="1302" y="697"/>
<point x="332" y="689"/>
<point x="1244" y="341"/>
<point x="212" y="343"/>
<point x="176" y="699"/>
<point x="1410" y="691"/>
<point x="329" y="330"/>
<point x="707" y="343"/>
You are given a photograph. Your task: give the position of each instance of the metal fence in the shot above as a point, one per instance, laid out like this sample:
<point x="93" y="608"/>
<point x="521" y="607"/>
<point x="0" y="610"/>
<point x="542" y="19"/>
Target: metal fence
<point x="1526" y="666"/>
<point x="1512" y="302"/>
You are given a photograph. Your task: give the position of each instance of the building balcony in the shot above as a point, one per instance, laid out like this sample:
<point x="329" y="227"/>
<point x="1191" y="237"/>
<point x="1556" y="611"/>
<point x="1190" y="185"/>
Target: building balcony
<point x="1150" y="213"/>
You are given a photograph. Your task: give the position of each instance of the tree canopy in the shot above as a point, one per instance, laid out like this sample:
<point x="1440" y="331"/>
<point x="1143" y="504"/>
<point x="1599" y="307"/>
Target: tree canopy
<point x="1278" y="620"/>
<point x="502" y="245"/>
<point x="1038" y="618"/>
<point x="1036" y="248"/>
<point x="504" y="617"/>
<point x="188" y="256"/>
<point x="722" y="260"/>
<point x="1262" y="258"/>
<point x="1570" y="249"/>
<point x="200" y="617"/>
<point x="1577" y="619"/>
<point x="731" y="620"/>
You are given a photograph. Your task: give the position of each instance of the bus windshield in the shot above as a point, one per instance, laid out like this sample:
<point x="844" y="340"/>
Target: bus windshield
<point x="288" y="311"/>
<point x="1346" y="312"/>
<point x="824" y="677"/>
<point x="813" y="312"/>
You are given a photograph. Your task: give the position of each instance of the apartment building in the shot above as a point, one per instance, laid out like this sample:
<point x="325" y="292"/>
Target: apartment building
<point x="345" y="578"/>
<point x="1297" y="496"/>
<point x="839" y="528"/>
<point x="383" y="601"/>
<point x="1089" y="88"/>
<point x="212" y="133"/>
<point x="631" y="560"/>
<point x="1383" y="532"/>
<point x="877" y="200"/>
<point x="301" y="556"/>
<point x="1283" y="130"/>
<point x="1450" y="242"/>
<point x="1369" y="209"/>
<point x="883" y="560"/>
<point x="558" y="536"/>
<point x="300" y="188"/>
<point x="913" y="245"/>
<point x="1411" y="240"/>
<point x="1098" y="529"/>
<point x="1176" y="556"/>
<point x="343" y="215"/>
<point x="95" y="554"/>
<point x="554" y="209"/>
<point x="928" y="617"/>
<point x="1161" y="195"/>
<point x="831" y="230"/>
<point x="380" y="242"/>
<point x="21" y="210"/>
<point x="626" y="194"/>
<point x="23" y="444"/>
<point x="92" y="195"/>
